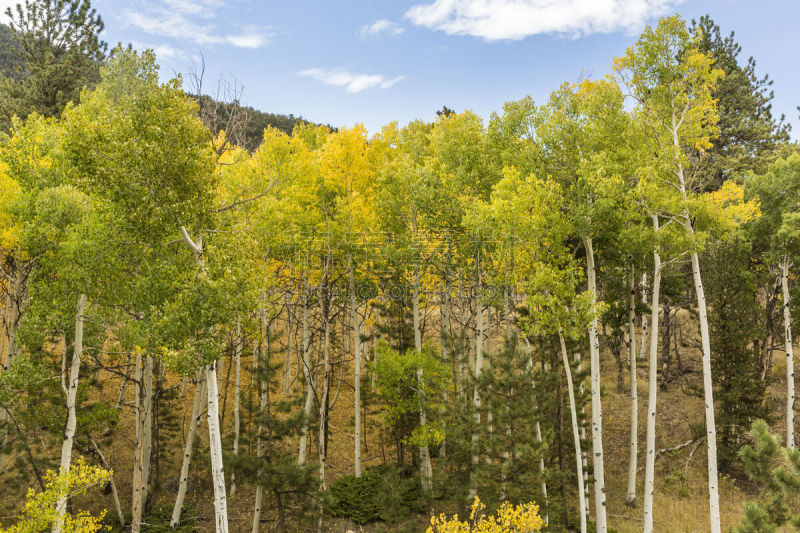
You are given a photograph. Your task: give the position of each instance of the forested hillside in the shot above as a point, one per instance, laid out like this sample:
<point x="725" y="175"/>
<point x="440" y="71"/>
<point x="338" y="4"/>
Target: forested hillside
<point x="573" y="316"/>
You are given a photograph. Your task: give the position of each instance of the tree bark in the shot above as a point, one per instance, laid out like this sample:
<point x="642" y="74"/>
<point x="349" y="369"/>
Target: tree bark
<point x="787" y="324"/>
<point x="310" y="393"/>
<point x="356" y="373"/>
<point x="237" y="354"/>
<point x="262" y="407"/>
<point x="114" y="493"/>
<point x="597" y="410"/>
<point x="630" y="499"/>
<point x="652" y="391"/>
<point x="215" y="450"/>
<point x="425" y="468"/>
<point x="71" y="392"/>
<point x="183" y="480"/>
<point x="575" y="432"/>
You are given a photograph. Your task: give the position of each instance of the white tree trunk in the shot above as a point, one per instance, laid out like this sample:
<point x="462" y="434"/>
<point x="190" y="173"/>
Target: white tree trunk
<point x="287" y="367"/>
<point x="197" y="409"/>
<point x="310" y="394"/>
<point x="148" y="429"/>
<point x="787" y="324"/>
<point x="214" y="433"/>
<point x="575" y="432"/>
<point x="708" y="389"/>
<point x="425" y="468"/>
<point x="356" y="374"/>
<point x="137" y="502"/>
<point x="237" y="354"/>
<point x="582" y="431"/>
<point x="215" y="450"/>
<point x="645" y="319"/>
<point x="326" y="384"/>
<point x="652" y="390"/>
<point x="114" y="493"/>
<point x="597" y="410"/>
<point x="72" y="392"/>
<point x="262" y="408"/>
<point x="476" y="396"/>
<point x="630" y="499"/>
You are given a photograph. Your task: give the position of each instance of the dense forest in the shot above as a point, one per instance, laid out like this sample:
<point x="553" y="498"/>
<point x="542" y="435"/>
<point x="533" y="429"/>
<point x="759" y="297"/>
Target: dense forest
<point x="218" y="319"/>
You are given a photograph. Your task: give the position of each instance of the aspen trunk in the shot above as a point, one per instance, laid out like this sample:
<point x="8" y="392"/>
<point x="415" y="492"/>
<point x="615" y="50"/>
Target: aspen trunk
<point x="425" y="468"/>
<point x="326" y="373"/>
<point x="72" y="392"/>
<point x="787" y="324"/>
<point x="476" y="396"/>
<point x="237" y="354"/>
<point x="262" y="407"/>
<point x="287" y="367"/>
<point x="582" y="431"/>
<point x="197" y="409"/>
<point x="645" y="319"/>
<point x="597" y="411"/>
<point x="141" y="458"/>
<point x="711" y="429"/>
<point x="575" y="432"/>
<point x="310" y="393"/>
<point x="652" y="391"/>
<point x="356" y="374"/>
<point x="114" y="493"/>
<point x="215" y="449"/>
<point x="630" y="499"/>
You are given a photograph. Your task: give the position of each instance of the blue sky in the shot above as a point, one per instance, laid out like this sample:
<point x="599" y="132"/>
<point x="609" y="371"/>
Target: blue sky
<point x="373" y="61"/>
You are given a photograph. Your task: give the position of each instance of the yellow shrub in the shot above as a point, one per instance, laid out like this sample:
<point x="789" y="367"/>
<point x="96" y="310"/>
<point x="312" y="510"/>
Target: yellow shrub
<point x="509" y="519"/>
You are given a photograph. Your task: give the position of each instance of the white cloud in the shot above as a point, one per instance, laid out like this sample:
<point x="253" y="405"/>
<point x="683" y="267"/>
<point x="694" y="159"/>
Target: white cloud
<point x="495" y="20"/>
<point x="161" y="50"/>
<point x="381" y="26"/>
<point x="353" y="83"/>
<point x="191" y="20"/>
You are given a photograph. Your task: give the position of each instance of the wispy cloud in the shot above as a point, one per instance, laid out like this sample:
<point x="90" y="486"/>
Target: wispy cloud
<point x="495" y="20"/>
<point x="353" y="83"/>
<point x="382" y="26"/>
<point x="191" y="21"/>
<point x="162" y="50"/>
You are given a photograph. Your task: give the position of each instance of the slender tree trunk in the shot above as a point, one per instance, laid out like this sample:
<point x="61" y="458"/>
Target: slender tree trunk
<point x="215" y="449"/>
<point x="582" y="432"/>
<point x="575" y="432"/>
<point x="645" y="318"/>
<point x="708" y="389"/>
<point x="326" y="373"/>
<point x="597" y="410"/>
<point x="183" y="479"/>
<point x="141" y="458"/>
<point x="652" y="391"/>
<point x="71" y="392"/>
<point x="310" y="393"/>
<point x="356" y="373"/>
<point x="148" y="430"/>
<point x="237" y="354"/>
<point x="15" y="302"/>
<point x="114" y="493"/>
<point x="478" y="369"/>
<point x="262" y="407"/>
<point x="287" y="367"/>
<point x="787" y="324"/>
<point x="630" y="499"/>
<point x="425" y="468"/>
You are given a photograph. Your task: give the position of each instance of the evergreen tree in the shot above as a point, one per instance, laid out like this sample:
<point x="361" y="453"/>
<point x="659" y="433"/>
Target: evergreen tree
<point x="60" y="53"/>
<point x="748" y="132"/>
<point x="733" y="312"/>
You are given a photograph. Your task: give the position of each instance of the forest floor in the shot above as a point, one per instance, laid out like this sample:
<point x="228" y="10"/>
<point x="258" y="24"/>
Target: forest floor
<point x="681" y="497"/>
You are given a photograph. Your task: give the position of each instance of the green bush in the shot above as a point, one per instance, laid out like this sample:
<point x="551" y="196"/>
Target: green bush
<point x="381" y="493"/>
